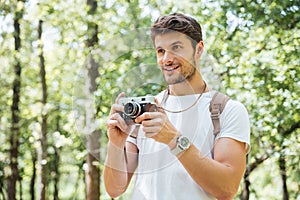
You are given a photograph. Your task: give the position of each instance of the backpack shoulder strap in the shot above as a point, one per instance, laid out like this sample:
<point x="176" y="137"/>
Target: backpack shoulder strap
<point x="216" y="107"/>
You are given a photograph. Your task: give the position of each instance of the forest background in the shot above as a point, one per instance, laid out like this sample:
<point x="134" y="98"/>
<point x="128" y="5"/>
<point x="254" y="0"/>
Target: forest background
<point x="63" y="62"/>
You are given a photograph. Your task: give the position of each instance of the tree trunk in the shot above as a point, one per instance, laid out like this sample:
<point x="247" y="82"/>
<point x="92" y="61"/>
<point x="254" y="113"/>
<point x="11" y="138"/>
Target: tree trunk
<point x="56" y="163"/>
<point x="15" y="126"/>
<point x="20" y="188"/>
<point x="282" y="166"/>
<point x="92" y="176"/>
<point x="93" y="137"/>
<point x="33" y="177"/>
<point x="246" y="191"/>
<point x="56" y="172"/>
<point x="2" y="195"/>
<point x="93" y="173"/>
<point x="42" y="154"/>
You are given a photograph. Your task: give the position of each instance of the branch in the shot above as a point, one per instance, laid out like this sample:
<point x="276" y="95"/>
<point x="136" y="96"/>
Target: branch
<point x="293" y="128"/>
<point x="258" y="161"/>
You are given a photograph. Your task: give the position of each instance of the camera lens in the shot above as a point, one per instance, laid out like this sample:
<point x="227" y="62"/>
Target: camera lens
<point x="132" y="109"/>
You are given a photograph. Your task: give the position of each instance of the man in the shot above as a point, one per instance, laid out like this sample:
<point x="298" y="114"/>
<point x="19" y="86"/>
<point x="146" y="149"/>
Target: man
<point x="173" y="150"/>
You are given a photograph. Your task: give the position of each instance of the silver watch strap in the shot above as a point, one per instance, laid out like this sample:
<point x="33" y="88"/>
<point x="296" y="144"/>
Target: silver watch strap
<point x="176" y="150"/>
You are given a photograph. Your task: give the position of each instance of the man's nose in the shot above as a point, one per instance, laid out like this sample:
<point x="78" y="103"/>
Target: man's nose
<point x="168" y="57"/>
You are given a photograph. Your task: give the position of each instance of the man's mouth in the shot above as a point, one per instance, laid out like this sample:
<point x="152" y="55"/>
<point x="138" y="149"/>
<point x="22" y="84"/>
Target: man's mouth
<point x="170" y="68"/>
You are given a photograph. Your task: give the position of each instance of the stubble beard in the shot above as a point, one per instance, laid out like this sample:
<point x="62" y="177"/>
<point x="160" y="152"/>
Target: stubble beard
<point x="182" y="76"/>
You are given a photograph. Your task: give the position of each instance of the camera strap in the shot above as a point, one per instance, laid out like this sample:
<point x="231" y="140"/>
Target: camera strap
<point x="166" y="95"/>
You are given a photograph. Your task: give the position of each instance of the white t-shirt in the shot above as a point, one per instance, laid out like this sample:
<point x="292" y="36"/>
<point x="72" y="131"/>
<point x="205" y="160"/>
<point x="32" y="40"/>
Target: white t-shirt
<point x="160" y="176"/>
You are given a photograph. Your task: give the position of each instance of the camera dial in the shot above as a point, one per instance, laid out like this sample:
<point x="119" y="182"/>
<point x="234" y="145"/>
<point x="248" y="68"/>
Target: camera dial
<point x="132" y="109"/>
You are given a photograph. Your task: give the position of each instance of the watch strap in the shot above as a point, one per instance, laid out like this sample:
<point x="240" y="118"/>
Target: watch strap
<point x="177" y="150"/>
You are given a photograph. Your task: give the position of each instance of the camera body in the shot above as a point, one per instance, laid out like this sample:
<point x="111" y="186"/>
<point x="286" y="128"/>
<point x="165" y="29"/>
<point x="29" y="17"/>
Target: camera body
<point x="136" y="106"/>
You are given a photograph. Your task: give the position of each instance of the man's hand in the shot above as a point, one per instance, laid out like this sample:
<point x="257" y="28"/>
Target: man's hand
<point x="157" y="126"/>
<point x="117" y="129"/>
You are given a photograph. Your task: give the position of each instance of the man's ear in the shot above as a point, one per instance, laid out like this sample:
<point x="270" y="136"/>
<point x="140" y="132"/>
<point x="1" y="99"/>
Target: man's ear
<point x="199" y="48"/>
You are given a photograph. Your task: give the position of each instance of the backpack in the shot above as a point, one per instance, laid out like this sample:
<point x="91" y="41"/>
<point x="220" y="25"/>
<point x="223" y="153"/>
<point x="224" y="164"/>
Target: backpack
<point x="216" y="107"/>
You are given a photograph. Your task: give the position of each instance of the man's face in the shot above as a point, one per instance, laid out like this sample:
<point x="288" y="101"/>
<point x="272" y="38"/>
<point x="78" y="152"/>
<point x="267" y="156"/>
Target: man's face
<point x="175" y="56"/>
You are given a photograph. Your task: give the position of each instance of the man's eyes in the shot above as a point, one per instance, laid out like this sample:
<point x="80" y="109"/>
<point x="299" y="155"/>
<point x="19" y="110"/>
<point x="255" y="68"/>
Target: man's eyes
<point x="159" y="51"/>
<point x="176" y="47"/>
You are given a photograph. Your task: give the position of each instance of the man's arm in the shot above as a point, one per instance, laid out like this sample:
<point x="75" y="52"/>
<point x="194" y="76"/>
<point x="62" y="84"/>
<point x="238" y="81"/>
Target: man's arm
<point x="119" y="168"/>
<point x="119" y="165"/>
<point x="220" y="176"/>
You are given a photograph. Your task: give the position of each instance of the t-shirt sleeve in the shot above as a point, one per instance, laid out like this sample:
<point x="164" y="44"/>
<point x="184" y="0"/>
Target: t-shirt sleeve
<point x="234" y="123"/>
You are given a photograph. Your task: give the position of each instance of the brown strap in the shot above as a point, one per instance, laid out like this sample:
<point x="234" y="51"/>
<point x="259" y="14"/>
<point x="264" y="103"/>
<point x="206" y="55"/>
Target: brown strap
<point x="216" y="107"/>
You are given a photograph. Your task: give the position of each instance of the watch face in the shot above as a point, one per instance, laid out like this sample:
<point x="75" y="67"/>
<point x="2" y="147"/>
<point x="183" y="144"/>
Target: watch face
<point x="184" y="142"/>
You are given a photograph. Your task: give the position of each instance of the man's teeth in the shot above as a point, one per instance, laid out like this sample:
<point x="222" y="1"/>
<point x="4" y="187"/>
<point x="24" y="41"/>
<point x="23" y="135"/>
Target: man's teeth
<point x="171" y="68"/>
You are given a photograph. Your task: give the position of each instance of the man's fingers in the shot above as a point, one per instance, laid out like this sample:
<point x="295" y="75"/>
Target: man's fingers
<point x="117" y="108"/>
<point x="150" y="134"/>
<point x="153" y="122"/>
<point x="112" y="124"/>
<point x="153" y="126"/>
<point x="118" y="121"/>
<point x="122" y="94"/>
<point x="146" y="116"/>
<point x="151" y="130"/>
<point x="157" y="117"/>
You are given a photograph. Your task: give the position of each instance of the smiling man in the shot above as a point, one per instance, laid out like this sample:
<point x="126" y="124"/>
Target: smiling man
<point x="173" y="151"/>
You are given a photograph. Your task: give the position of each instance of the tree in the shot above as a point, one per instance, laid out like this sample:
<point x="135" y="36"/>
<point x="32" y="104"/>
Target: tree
<point x="42" y="150"/>
<point x="15" y="124"/>
<point x="92" y="135"/>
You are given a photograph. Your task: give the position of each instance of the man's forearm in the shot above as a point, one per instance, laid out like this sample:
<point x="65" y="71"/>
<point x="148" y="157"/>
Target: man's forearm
<point x="115" y="171"/>
<point x="221" y="179"/>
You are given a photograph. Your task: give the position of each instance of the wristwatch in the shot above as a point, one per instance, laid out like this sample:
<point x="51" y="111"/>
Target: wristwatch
<point x="182" y="144"/>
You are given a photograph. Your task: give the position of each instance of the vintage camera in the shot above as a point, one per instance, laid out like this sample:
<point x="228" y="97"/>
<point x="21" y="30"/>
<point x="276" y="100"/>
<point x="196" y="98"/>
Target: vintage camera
<point x="136" y="106"/>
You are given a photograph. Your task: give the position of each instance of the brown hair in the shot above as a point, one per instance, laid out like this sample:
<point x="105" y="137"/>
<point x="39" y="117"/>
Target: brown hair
<point x="180" y="23"/>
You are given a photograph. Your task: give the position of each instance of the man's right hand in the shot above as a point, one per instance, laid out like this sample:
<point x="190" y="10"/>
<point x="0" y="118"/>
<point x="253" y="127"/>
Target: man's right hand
<point x="117" y="129"/>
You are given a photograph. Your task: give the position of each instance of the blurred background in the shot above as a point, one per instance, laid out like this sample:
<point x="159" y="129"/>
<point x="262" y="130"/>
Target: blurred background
<point x="62" y="63"/>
